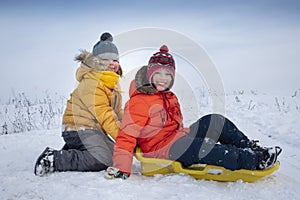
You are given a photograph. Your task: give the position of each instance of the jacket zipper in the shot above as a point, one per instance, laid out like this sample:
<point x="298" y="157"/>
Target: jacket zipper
<point x="165" y="107"/>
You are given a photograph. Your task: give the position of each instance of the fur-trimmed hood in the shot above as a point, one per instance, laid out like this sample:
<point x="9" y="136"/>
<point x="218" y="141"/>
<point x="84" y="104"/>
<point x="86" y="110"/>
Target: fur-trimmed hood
<point x="89" y="63"/>
<point x="141" y="82"/>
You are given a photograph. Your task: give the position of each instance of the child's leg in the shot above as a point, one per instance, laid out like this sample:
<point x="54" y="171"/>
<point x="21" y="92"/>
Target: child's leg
<point x="190" y="151"/>
<point x="220" y="129"/>
<point x="75" y="160"/>
<point x="88" y="151"/>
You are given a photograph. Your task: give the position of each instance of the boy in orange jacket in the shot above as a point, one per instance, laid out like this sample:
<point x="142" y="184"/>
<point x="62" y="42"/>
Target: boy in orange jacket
<point x="153" y="121"/>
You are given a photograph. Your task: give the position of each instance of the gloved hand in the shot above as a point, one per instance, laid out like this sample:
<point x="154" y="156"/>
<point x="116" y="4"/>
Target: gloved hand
<point x="112" y="173"/>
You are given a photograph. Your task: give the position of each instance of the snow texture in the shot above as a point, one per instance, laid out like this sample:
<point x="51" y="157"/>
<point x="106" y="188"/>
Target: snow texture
<point x="272" y="120"/>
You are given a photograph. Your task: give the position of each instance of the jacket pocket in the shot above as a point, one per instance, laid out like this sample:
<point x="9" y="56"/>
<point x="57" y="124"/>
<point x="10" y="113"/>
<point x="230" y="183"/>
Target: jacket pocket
<point x="157" y="117"/>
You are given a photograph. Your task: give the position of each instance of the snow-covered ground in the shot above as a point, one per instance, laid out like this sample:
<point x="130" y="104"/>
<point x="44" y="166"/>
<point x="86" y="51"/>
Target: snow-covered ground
<point x="273" y="120"/>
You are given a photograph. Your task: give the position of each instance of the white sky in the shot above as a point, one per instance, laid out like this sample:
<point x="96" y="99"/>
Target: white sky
<point x="255" y="46"/>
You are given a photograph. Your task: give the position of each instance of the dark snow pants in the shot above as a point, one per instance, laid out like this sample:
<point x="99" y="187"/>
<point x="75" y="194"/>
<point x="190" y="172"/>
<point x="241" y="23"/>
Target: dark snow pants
<point x="85" y="150"/>
<point x="215" y="140"/>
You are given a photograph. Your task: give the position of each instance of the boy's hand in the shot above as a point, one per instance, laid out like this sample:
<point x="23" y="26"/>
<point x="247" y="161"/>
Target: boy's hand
<point x="112" y="173"/>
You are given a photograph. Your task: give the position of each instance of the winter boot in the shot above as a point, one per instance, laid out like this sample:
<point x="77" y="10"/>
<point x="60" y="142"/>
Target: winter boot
<point x="44" y="164"/>
<point x="267" y="157"/>
<point x="255" y="146"/>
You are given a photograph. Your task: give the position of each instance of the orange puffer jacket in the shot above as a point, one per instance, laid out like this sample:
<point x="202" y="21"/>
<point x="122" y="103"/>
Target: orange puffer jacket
<point x="152" y="120"/>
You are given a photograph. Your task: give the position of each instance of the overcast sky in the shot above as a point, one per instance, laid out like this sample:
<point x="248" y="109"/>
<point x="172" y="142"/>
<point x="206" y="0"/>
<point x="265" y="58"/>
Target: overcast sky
<point x="255" y="45"/>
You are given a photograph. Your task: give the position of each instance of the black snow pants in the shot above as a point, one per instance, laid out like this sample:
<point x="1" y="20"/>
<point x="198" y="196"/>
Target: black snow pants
<point x="84" y="150"/>
<point x="215" y="140"/>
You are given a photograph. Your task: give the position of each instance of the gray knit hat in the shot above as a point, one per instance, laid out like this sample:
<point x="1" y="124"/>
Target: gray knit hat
<point x="105" y="49"/>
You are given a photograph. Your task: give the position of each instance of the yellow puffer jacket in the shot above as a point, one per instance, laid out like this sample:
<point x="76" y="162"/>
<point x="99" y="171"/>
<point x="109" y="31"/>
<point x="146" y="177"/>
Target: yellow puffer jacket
<point x="96" y="103"/>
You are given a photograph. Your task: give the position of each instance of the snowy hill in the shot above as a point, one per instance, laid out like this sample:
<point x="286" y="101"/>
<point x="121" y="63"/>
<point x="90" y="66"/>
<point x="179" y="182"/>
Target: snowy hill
<point x="271" y="119"/>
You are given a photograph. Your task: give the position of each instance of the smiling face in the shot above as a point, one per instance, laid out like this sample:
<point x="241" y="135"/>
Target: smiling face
<point x="162" y="79"/>
<point x="113" y="65"/>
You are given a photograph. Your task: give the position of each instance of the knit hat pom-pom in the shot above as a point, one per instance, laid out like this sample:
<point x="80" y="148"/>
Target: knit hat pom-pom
<point x="106" y="36"/>
<point x="164" y="49"/>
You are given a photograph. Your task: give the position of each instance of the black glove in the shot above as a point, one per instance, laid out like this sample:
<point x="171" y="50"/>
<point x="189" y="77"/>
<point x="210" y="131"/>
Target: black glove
<point x="112" y="173"/>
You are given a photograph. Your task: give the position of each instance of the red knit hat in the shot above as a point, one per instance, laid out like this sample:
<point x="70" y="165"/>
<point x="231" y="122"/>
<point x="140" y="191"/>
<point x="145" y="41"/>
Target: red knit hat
<point x="161" y="59"/>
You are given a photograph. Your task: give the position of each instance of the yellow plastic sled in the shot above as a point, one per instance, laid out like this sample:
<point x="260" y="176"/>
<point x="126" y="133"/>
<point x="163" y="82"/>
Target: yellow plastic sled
<point x="152" y="166"/>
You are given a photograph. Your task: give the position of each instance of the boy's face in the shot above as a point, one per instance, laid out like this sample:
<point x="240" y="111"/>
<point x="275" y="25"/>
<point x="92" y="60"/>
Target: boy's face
<point x="162" y="79"/>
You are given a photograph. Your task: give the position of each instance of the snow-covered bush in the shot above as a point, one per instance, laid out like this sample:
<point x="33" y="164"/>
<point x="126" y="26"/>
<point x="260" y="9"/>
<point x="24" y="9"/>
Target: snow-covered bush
<point x="21" y="114"/>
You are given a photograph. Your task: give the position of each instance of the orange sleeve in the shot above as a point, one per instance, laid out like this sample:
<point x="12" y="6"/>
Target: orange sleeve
<point x="134" y="120"/>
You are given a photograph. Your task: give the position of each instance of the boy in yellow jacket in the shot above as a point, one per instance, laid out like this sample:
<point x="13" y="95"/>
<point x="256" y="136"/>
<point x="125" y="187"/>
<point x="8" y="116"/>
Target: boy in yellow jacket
<point x="92" y="117"/>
